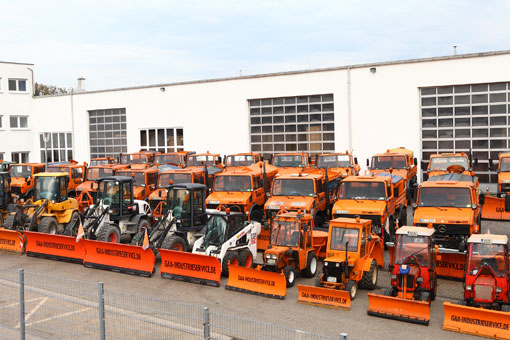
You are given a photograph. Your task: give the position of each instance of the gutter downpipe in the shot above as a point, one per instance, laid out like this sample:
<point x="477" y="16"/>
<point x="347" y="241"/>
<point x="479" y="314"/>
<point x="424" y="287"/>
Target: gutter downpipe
<point x="72" y="124"/>
<point x="349" y="110"/>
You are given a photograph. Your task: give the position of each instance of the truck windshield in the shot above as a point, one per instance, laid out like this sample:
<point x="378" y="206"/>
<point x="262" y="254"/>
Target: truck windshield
<point x="167" y="159"/>
<point x="285" y="233"/>
<point x="109" y="192"/>
<point x="96" y="173"/>
<point x="46" y="188"/>
<point x="444" y="197"/>
<point x="139" y="177"/>
<point x="178" y="201"/>
<point x="386" y="162"/>
<point x="232" y="183"/>
<point x="21" y="171"/>
<point x="442" y="163"/>
<point x="164" y="179"/>
<point x="492" y="255"/>
<point x="240" y="160"/>
<point x="362" y="190"/>
<point x="504" y="164"/>
<point x="409" y="246"/>
<point x="216" y="231"/>
<point x="334" y="161"/>
<point x="288" y="161"/>
<point x="95" y="162"/>
<point x="134" y="159"/>
<point x="293" y="187"/>
<point x="200" y="160"/>
<point x="340" y="237"/>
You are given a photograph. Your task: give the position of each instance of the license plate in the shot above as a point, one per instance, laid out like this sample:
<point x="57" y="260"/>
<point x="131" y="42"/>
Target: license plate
<point x="271" y="261"/>
<point x="331" y="279"/>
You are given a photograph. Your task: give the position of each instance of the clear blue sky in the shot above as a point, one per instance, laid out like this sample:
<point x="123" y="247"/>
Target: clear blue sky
<point x="130" y="43"/>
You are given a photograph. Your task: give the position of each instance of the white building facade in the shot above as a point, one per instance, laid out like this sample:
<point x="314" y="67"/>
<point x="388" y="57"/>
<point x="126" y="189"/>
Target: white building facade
<point x="445" y="104"/>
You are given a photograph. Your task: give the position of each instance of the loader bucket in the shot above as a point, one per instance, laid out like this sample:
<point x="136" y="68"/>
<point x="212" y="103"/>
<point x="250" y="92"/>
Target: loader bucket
<point x="324" y="297"/>
<point x="122" y="258"/>
<point x="256" y="281"/>
<point x="494" y="209"/>
<point x="399" y="309"/>
<point x="194" y="268"/>
<point x="12" y="241"/>
<point x="476" y="321"/>
<point x="451" y="265"/>
<point x="54" y="247"/>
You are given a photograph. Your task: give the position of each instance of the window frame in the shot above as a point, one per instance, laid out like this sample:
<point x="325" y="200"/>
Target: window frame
<point x="17" y="81"/>
<point x="18" y="121"/>
<point x="145" y="133"/>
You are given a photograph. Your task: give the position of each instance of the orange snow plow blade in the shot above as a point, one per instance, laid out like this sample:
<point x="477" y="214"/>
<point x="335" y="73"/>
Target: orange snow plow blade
<point x="118" y="257"/>
<point x="54" y="247"/>
<point x="399" y="309"/>
<point x="324" y="297"/>
<point x="256" y="281"/>
<point x="12" y="241"/>
<point x="476" y="321"/>
<point x="194" y="268"/>
<point x="494" y="209"/>
<point x="451" y="265"/>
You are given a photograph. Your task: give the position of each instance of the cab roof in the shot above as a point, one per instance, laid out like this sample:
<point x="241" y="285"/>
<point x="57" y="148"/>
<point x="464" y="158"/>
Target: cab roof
<point x="394" y="178"/>
<point x="453" y="177"/>
<point x="339" y="222"/>
<point x="52" y="174"/>
<point x="138" y="170"/>
<point x="443" y="155"/>
<point x="488" y="238"/>
<point x="304" y="175"/>
<point x="366" y="179"/>
<point x="420" y="231"/>
<point x="457" y="184"/>
<point x="116" y="178"/>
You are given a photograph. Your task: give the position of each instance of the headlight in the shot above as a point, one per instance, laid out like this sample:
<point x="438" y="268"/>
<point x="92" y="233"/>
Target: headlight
<point x="393" y="277"/>
<point x="420" y="279"/>
<point x="326" y="264"/>
<point x="213" y="202"/>
<point x="468" y="287"/>
<point x="337" y="264"/>
<point x="274" y="256"/>
<point x="268" y="256"/>
<point x="498" y="290"/>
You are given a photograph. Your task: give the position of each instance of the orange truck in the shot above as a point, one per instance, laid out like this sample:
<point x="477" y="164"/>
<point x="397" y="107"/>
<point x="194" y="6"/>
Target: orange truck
<point x="86" y="191"/>
<point x="439" y="164"/>
<point x="102" y="161"/>
<point x="242" y="159"/>
<point x="345" y="163"/>
<point x="22" y="178"/>
<point x="450" y="202"/>
<point x="178" y="158"/>
<point x="138" y="160"/>
<point x="402" y="163"/>
<point x="76" y="174"/>
<point x="497" y="207"/>
<point x="292" y="162"/>
<point x="242" y="189"/>
<point x="144" y="181"/>
<point x="381" y="199"/>
<point x="209" y="162"/>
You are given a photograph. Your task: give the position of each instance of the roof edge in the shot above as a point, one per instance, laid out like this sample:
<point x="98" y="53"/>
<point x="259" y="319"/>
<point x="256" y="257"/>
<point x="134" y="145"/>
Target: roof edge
<point x="15" y="63"/>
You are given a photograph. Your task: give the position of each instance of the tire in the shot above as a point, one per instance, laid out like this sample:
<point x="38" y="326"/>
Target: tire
<point x="137" y="239"/>
<point x="505" y="308"/>
<point x="109" y="233"/>
<point x="48" y="225"/>
<point x="352" y="288"/>
<point x="369" y="279"/>
<point x="390" y="292"/>
<point x="70" y="229"/>
<point x="245" y="258"/>
<point x="290" y="275"/>
<point x="231" y="257"/>
<point x="318" y="280"/>
<point x="143" y="224"/>
<point x="403" y="217"/>
<point x="257" y="215"/>
<point x="318" y="220"/>
<point x="425" y="296"/>
<point x="9" y="222"/>
<point x="174" y="242"/>
<point x="311" y="265"/>
<point x="433" y="291"/>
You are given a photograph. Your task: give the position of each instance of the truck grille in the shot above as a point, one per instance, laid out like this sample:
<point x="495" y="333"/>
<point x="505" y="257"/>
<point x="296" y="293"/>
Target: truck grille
<point x="452" y="229"/>
<point x="410" y="281"/>
<point x="483" y="292"/>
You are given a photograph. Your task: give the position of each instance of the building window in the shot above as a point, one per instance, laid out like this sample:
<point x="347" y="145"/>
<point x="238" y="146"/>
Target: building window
<point x="292" y="124"/>
<point x="1" y="122"/>
<point x="18" y="85"/>
<point x="59" y="146"/>
<point x="18" y="122"/>
<point x="1" y="156"/>
<point x="466" y="118"/>
<point x="162" y="140"/>
<point x="19" y="157"/>
<point x="107" y="132"/>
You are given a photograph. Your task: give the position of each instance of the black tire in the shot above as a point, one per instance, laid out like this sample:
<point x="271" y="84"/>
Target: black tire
<point x="390" y="292"/>
<point x="403" y="217"/>
<point x="352" y="288"/>
<point x="137" y="239"/>
<point x="143" y="224"/>
<point x="425" y="296"/>
<point x="433" y="291"/>
<point x="70" y="228"/>
<point x="174" y="242"/>
<point x="369" y="279"/>
<point x="311" y="265"/>
<point x="505" y="308"/>
<point x="9" y="222"/>
<point x="109" y="233"/>
<point x="245" y="258"/>
<point x="462" y="302"/>
<point x="231" y="257"/>
<point x="48" y="225"/>
<point x="318" y="220"/>
<point x="318" y="280"/>
<point x="257" y="215"/>
<point x="290" y="275"/>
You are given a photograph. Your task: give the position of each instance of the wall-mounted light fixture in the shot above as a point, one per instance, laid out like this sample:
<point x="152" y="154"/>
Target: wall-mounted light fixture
<point x="373" y="70"/>
<point x="162" y="89"/>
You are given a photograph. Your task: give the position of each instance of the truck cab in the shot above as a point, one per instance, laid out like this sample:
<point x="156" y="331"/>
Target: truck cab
<point x="144" y="181"/>
<point x="345" y="163"/>
<point x="76" y="174"/>
<point x="439" y="164"/>
<point x="242" y="159"/>
<point x="291" y="162"/>
<point x="178" y="158"/>
<point x="22" y="178"/>
<point x="138" y="160"/>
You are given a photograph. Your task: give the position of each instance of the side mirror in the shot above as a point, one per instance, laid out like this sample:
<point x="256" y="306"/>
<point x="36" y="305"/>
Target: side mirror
<point x="355" y="160"/>
<point x="266" y="225"/>
<point x="481" y="199"/>
<point x="415" y="161"/>
<point x="268" y="194"/>
<point x="475" y="162"/>
<point x="369" y="238"/>
<point x="474" y="206"/>
<point x="423" y="165"/>
<point x="491" y="164"/>
<point x="414" y="205"/>
<point x="368" y="162"/>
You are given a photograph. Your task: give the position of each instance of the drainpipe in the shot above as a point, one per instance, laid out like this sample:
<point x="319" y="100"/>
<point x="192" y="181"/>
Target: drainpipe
<point x="33" y="88"/>
<point x="72" y="124"/>
<point x="349" y="111"/>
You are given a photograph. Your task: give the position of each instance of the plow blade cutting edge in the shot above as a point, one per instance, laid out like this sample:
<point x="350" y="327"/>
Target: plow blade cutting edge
<point x="54" y="247"/>
<point x="12" y="241"/>
<point x="256" y="281"/>
<point x="194" y="268"/>
<point x="118" y="257"/>
<point x="494" y="209"/>
<point x="324" y="297"/>
<point x="476" y="321"/>
<point x="399" y="309"/>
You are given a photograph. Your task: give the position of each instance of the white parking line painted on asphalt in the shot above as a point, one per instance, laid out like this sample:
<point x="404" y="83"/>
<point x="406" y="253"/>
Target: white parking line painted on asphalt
<point x="58" y="316"/>
<point x="17" y="303"/>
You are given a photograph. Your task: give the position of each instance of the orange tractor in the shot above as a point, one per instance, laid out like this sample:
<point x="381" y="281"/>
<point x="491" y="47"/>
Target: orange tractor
<point x="178" y="158"/>
<point x="498" y="207"/>
<point x="381" y="199"/>
<point x="413" y="278"/>
<point x="401" y="162"/>
<point x="344" y="163"/>
<point x="485" y="309"/>
<point x="22" y="178"/>
<point x="76" y="174"/>
<point x="138" y="160"/>
<point x="144" y="181"/>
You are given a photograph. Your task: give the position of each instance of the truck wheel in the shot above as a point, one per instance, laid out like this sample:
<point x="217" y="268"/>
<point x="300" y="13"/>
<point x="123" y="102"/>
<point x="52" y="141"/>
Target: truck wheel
<point x="137" y="240"/>
<point x="433" y="292"/>
<point x="230" y="257"/>
<point x="257" y="215"/>
<point x="369" y="279"/>
<point x="390" y="292"/>
<point x="48" y="225"/>
<point x="143" y="224"/>
<point x="109" y="233"/>
<point x="9" y="222"/>
<point x="318" y="280"/>
<point x="174" y="242"/>
<point x="425" y="296"/>
<point x="352" y="288"/>
<point x="403" y="217"/>
<point x="290" y="275"/>
<point x="71" y="228"/>
<point x="311" y="265"/>
<point x="318" y="220"/>
<point x="245" y="258"/>
<point x="505" y="308"/>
